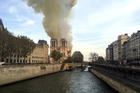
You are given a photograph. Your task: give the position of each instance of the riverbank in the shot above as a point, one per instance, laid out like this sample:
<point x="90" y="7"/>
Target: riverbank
<point x="119" y="86"/>
<point x="14" y="73"/>
<point x="62" y="82"/>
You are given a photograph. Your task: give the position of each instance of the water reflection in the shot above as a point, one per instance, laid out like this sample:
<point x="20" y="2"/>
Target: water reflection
<point x="65" y="82"/>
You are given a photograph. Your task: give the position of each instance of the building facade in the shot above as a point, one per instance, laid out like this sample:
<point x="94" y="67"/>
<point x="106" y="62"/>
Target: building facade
<point x="39" y="55"/>
<point x="121" y="40"/>
<point x="109" y="53"/>
<point x="61" y="45"/>
<point x="115" y="51"/>
<point x="116" y="48"/>
<point x="133" y="47"/>
<point x="126" y="49"/>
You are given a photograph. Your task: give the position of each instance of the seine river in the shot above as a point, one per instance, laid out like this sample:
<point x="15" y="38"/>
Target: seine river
<point x="63" y="82"/>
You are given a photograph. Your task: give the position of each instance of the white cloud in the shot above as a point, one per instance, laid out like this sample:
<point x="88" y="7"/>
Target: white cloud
<point x="12" y="10"/>
<point x="112" y="20"/>
<point x="110" y="12"/>
<point x="28" y="22"/>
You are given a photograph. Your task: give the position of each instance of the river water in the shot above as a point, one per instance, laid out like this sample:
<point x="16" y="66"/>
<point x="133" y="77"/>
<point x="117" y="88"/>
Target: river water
<point x="63" y="82"/>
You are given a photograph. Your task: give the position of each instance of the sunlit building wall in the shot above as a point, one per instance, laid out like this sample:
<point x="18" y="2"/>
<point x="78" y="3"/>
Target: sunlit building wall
<point x="61" y="45"/>
<point x="133" y="47"/>
<point x="39" y="55"/>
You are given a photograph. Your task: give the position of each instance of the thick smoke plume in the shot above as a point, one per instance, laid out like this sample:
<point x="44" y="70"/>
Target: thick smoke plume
<point x="56" y="16"/>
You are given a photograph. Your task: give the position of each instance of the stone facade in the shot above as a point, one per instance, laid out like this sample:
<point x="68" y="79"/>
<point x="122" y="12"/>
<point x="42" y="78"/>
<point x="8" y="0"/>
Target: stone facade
<point x="126" y="49"/>
<point x="115" y="51"/>
<point x="14" y="73"/>
<point x="61" y="45"/>
<point x="121" y="40"/>
<point x="39" y="55"/>
<point x="116" y="48"/>
<point x="109" y="53"/>
<point x="133" y="47"/>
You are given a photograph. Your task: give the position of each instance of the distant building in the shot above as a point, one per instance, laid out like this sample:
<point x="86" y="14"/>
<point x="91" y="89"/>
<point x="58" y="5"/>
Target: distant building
<point x="39" y="55"/>
<point x="133" y="47"/>
<point x="125" y="49"/>
<point x="121" y="40"/>
<point x="116" y="49"/>
<point x="61" y="45"/>
<point x="109" y="53"/>
<point x="42" y="42"/>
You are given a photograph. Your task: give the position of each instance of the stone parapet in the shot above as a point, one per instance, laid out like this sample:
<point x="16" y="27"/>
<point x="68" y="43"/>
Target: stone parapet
<point x="14" y="73"/>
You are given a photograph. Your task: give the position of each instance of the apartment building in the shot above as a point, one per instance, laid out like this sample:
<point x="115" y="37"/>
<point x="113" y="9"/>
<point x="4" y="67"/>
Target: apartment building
<point x="116" y="48"/>
<point x="39" y="55"/>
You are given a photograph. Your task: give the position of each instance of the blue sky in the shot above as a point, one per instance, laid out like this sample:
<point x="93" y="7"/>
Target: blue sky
<point x="95" y="23"/>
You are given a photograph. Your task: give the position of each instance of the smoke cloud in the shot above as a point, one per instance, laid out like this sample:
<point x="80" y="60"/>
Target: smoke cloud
<point x="56" y="16"/>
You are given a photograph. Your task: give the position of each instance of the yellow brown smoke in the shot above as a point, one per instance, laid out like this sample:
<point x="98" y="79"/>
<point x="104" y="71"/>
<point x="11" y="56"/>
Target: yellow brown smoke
<point x="56" y="16"/>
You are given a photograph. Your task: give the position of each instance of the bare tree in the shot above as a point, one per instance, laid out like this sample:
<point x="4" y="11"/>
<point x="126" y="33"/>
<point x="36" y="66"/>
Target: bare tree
<point x="93" y="57"/>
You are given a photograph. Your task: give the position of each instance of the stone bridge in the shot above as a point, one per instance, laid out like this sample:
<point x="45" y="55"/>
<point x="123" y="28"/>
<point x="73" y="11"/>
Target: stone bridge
<point x="67" y="66"/>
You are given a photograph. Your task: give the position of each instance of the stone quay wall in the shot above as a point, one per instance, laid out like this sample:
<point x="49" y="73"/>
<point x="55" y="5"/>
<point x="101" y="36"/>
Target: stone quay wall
<point x="123" y="79"/>
<point x="14" y="73"/>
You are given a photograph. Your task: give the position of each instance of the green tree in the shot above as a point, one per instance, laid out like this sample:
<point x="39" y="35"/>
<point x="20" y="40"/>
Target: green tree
<point x="69" y="60"/>
<point x="56" y="55"/>
<point x="27" y="46"/>
<point x="77" y="56"/>
<point x="4" y="40"/>
<point x="100" y="59"/>
<point x="11" y="45"/>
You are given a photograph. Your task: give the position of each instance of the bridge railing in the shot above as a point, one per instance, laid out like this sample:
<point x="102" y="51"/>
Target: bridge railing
<point x="125" y="72"/>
